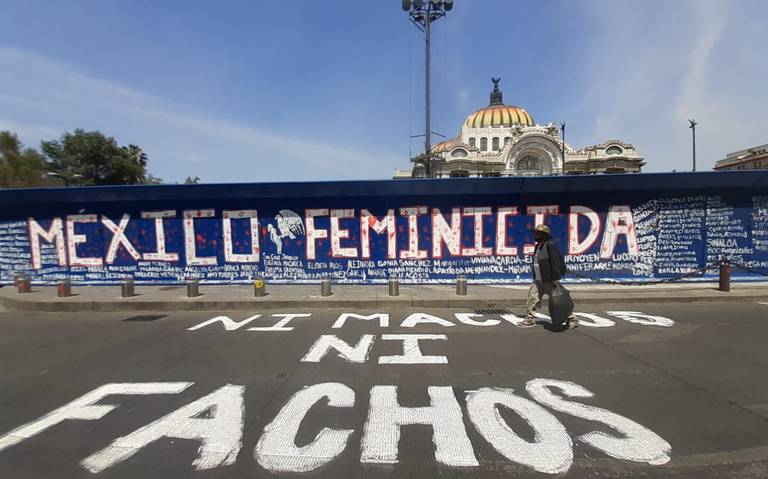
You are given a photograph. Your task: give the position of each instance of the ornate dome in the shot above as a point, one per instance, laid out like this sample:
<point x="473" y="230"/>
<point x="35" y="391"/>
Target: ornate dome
<point x="501" y="115"/>
<point x="448" y="145"/>
<point x="497" y="113"/>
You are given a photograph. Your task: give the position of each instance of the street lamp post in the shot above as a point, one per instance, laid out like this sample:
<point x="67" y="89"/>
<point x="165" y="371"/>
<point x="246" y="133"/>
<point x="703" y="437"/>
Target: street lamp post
<point x="422" y="13"/>
<point x="693" y="131"/>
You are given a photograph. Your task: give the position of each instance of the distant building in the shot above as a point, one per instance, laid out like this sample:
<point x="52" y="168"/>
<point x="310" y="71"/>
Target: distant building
<point x="504" y="140"/>
<point x="755" y="158"/>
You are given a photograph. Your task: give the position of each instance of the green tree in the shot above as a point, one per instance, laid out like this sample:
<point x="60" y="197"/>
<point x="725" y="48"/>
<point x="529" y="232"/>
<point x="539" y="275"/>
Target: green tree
<point x="19" y="166"/>
<point x="137" y="155"/>
<point x="192" y="180"/>
<point x="90" y="158"/>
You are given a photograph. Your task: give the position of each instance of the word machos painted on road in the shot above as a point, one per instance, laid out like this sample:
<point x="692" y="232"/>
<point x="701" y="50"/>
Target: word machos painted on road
<point x="359" y="352"/>
<point x="217" y="420"/>
<point x="282" y="321"/>
<point x="621" y="227"/>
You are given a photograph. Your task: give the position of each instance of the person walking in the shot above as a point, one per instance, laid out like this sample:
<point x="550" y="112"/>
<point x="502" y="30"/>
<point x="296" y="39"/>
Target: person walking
<point x="548" y="269"/>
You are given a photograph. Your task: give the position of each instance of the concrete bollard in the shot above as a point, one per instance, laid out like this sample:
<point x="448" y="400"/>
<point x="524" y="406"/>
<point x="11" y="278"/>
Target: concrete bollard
<point x="394" y="287"/>
<point x="24" y="285"/>
<point x="128" y="288"/>
<point x="725" y="276"/>
<point x="64" y="288"/>
<point x="193" y="288"/>
<point x="325" y="287"/>
<point x="259" y="287"/>
<point x="461" y="285"/>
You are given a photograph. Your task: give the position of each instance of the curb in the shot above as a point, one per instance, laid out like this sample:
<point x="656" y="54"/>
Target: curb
<point x="130" y="305"/>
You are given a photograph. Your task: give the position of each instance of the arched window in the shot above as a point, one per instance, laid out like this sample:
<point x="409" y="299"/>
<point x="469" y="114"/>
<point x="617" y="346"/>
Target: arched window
<point x="483" y="144"/>
<point x="459" y="152"/>
<point x="472" y="143"/>
<point x="614" y="150"/>
<point x="495" y="143"/>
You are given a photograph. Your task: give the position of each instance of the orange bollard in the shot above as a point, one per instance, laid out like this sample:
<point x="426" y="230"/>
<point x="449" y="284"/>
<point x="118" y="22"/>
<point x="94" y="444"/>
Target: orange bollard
<point x="64" y="288"/>
<point x="725" y="276"/>
<point x="24" y="285"/>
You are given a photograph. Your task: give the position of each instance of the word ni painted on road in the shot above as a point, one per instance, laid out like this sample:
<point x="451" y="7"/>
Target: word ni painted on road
<point x="359" y="351"/>
<point x="282" y="321"/>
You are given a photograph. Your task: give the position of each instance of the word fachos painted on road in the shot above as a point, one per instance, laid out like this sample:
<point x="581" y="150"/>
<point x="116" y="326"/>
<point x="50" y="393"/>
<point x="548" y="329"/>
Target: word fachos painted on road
<point x="216" y="421"/>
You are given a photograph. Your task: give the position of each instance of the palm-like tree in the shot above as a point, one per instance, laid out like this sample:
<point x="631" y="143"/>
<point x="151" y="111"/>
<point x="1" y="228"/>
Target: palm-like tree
<point x="136" y="154"/>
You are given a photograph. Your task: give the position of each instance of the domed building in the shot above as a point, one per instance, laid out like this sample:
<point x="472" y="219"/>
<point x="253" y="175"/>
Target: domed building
<point x="504" y="140"/>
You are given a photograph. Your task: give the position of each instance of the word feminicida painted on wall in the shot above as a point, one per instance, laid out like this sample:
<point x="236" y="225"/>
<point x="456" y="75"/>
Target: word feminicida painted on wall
<point x="357" y="236"/>
<point x="324" y="233"/>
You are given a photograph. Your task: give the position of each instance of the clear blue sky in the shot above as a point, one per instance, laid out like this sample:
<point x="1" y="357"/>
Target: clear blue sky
<point x="277" y="90"/>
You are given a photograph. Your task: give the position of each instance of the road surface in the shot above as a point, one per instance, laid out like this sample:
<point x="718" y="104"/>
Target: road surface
<point x="657" y="391"/>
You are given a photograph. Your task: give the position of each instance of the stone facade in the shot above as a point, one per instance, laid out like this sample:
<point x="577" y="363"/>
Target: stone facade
<point x="503" y="140"/>
<point x="750" y="159"/>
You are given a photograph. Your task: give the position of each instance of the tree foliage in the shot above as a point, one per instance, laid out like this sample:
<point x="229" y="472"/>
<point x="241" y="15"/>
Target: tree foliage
<point x="78" y="158"/>
<point x="19" y="166"/>
<point x="90" y="158"/>
<point x="192" y="180"/>
<point x="152" y="180"/>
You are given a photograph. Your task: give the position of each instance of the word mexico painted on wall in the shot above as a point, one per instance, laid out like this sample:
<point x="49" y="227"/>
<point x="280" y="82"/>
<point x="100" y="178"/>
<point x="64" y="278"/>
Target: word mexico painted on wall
<point x="370" y="239"/>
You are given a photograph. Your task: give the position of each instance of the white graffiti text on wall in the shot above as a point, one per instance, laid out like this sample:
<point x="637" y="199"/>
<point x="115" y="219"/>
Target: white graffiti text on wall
<point x="488" y="232"/>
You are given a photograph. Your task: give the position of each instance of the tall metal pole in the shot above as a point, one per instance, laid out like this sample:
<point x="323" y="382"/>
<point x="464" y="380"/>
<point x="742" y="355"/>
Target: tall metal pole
<point x="427" y="99"/>
<point x="693" y="130"/>
<point x="422" y="14"/>
<point x="694" y="148"/>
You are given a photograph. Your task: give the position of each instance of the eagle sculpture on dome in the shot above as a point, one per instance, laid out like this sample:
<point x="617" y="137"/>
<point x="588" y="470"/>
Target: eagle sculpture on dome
<point x="496" y="93"/>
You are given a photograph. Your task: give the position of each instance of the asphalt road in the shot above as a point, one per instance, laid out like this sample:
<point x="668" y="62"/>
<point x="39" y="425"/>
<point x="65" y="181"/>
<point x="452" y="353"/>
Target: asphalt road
<point x="687" y="399"/>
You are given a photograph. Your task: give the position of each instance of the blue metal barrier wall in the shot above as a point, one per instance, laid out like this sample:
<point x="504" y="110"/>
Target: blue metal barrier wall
<point x="627" y="227"/>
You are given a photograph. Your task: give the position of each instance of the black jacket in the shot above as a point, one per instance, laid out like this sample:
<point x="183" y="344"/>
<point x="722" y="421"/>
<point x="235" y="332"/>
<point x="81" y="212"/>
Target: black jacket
<point x="551" y="262"/>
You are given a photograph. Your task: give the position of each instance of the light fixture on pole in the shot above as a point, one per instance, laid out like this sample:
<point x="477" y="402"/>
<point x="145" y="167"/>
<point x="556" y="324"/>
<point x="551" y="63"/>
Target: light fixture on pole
<point x="422" y="13"/>
<point x="693" y="131"/>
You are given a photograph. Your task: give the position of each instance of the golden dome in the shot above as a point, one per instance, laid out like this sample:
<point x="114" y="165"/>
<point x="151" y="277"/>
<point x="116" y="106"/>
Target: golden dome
<point x="497" y="113"/>
<point x="448" y="145"/>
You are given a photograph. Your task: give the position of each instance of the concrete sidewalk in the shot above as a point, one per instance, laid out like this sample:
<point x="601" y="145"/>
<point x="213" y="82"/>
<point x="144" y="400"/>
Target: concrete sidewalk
<point x="240" y="297"/>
